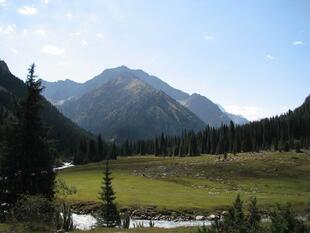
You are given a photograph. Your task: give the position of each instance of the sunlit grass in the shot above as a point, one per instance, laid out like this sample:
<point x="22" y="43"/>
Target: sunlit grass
<point x="202" y="183"/>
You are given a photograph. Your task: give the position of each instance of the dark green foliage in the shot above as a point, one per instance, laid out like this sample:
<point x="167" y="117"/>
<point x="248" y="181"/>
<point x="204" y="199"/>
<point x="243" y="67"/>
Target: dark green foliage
<point x="109" y="215"/>
<point x="64" y="132"/>
<point x="284" y="221"/>
<point x="254" y="216"/>
<point x="27" y="164"/>
<point x="81" y="156"/>
<point x="113" y="152"/>
<point x="102" y="149"/>
<point x="236" y="221"/>
<point x="285" y="132"/>
<point x="36" y="213"/>
<point x="92" y="151"/>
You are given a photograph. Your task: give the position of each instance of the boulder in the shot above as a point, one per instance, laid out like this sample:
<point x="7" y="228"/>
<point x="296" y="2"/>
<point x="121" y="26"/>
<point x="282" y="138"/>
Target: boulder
<point x="199" y="218"/>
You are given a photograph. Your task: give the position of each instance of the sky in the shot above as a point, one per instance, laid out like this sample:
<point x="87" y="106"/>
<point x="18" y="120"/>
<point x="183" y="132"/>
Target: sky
<point x="251" y="57"/>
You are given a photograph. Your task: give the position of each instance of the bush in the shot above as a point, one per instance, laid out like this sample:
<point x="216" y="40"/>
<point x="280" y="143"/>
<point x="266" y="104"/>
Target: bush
<point x="283" y="220"/>
<point x="35" y="212"/>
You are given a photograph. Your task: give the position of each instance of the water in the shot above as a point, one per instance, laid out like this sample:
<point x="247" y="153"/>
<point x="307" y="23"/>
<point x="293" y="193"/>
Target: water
<point x="84" y="221"/>
<point x="64" y="166"/>
<point x="169" y="224"/>
<point x="88" y="222"/>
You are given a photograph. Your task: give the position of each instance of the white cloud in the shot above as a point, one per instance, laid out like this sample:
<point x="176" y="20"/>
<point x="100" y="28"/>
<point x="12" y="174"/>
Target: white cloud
<point x="52" y="49"/>
<point x="75" y="33"/>
<point x="68" y="15"/>
<point x="61" y="63"/>
<point x="84" y="43"/>
<point x="270" y="57"/>
<point x="208" y="37"/>
<point x="298" y="42"/>
<point x="2" y="2"/>
<point x="9" y="29"/>
<point x="25" y="32"/>
<point x="13" y="50"/>
<point x="250" y="112"/>
<point x="40" y="32"/>
<point x="46" y="1"/>
<point x="27" y="10"/>
<point x="100" y="35"/>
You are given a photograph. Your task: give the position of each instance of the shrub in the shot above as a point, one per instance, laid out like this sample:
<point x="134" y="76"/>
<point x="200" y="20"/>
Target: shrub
<point x="35" y="212"/>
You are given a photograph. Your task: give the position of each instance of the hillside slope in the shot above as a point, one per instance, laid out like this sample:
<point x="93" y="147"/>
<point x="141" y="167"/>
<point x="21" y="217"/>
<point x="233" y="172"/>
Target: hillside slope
<point x="205" y="109"/>
<point x="66" y="133"/>
<point x="125" y="107"/>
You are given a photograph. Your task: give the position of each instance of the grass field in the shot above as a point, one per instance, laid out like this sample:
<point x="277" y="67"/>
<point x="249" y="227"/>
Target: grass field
<point x="201" y="184"/>
<point x="4" y="228"/>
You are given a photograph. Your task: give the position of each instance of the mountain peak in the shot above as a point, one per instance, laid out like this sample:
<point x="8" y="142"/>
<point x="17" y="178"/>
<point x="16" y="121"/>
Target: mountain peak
<point x="4" y="67"/>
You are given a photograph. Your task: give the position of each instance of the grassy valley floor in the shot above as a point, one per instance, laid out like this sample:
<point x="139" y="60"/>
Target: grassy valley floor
<point x="198" y="184"/>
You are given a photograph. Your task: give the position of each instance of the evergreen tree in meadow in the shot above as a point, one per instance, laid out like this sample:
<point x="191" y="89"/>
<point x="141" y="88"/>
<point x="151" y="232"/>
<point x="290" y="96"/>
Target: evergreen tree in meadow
<point x="81" y="156"/>
<point x="254" y="217"/>
<point x="234" y="221"/>
<point x="113" y="152"/>
<point x="92" y="151"/>
<point x="109" y="215"/>
<point x="27" y="164"/>
<point x="100" y="148"/>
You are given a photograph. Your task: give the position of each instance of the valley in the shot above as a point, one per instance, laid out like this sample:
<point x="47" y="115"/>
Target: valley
<point x="154" y="116"/>
<point x="196" y="185"/>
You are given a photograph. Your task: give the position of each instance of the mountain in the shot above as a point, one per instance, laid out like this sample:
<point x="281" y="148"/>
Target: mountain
<point x="53" y="89"/>
<point x="206" y="110"/>
<point x="125" y="107"/>
<point x="60" y="91"/>
<point x="153" y="81"/>
<point x="237" y="119"/>
<point x="64" y="131"/>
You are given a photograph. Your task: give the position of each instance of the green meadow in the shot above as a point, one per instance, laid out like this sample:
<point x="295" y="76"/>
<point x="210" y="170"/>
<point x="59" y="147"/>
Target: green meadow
<point x="197" y="184"/>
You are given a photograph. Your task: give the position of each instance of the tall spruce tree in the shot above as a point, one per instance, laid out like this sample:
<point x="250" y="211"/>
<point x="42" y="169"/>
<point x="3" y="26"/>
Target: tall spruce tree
<point x="100" y="148"/>
<point x="108" y="211"/>
<point x="27" y="164"/>
<point x="92" y="151"/>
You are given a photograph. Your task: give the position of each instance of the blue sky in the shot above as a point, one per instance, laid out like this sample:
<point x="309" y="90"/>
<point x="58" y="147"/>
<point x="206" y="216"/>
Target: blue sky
<point x="252" y="57"/>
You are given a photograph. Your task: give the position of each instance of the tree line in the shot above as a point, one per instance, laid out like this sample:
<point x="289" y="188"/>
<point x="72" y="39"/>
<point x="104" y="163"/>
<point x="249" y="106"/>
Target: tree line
<point x="280" y="133"/>
<point x="91" y="150"/>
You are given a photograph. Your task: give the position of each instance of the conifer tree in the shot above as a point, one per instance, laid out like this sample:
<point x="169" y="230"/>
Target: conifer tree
<point x="253" y="218"/>
<point x="108" y="211"/>
<point x="27" y="164"/>
<point x="113" y="152"/>
<point x="92" y="151"/>
<point x="100" y="148"/>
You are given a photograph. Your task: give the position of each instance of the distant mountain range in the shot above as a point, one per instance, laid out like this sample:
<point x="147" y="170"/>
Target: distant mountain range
<point x="237" y="119"/>
<point x="62" y="130"/>
<point x="123" y="103"/>
<point x="127" y="108"/>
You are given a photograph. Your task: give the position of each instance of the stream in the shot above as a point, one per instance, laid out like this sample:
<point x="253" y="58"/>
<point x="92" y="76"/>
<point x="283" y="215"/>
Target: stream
<point x="88" y="222"/>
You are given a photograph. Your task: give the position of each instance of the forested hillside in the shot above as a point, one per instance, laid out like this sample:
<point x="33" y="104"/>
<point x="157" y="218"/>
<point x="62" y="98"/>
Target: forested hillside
<point x="283" y="133"/>
<point x="63" y="131"/>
